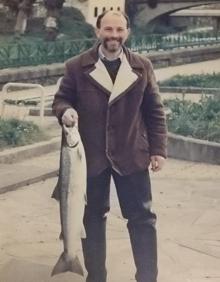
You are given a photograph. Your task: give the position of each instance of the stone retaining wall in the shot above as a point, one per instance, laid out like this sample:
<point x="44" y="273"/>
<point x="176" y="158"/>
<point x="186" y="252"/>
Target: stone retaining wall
<point x="179" y="147"/>
<point x="192" y="149"/>
<point x="184" y="56"/>
<point x="191" y="90"/>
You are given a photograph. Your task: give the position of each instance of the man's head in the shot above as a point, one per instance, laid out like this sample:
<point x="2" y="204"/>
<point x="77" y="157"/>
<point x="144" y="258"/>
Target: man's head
<point x="112" y="29"/>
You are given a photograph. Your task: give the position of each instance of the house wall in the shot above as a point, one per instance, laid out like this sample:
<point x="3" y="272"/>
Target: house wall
<point x="96" y="7"/>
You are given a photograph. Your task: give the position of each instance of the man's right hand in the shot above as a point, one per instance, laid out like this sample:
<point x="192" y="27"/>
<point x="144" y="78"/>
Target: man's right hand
<point x="70" y="117"/>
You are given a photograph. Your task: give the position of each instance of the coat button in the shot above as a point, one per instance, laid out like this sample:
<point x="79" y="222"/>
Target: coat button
<point x="111" y="127"/>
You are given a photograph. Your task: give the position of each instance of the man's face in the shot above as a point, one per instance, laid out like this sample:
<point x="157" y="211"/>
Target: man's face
<point x="113" y="32"/>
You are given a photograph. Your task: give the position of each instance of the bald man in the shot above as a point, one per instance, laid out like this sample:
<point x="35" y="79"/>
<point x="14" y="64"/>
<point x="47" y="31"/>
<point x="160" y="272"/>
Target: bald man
<point x="113" y="96"/>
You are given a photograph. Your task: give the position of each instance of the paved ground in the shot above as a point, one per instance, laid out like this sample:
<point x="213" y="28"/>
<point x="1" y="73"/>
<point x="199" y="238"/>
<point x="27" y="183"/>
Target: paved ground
<point x="194" y="68"/>
<point x="186" y="199"/>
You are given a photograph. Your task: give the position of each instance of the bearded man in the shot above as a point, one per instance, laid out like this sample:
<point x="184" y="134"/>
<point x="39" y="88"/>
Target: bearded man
<point x="112" y="94"/>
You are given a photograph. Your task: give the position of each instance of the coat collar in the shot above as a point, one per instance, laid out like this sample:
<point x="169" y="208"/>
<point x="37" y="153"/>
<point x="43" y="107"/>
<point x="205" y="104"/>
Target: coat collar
<point x="91" y="56"/>
<point x="126" y="78"/>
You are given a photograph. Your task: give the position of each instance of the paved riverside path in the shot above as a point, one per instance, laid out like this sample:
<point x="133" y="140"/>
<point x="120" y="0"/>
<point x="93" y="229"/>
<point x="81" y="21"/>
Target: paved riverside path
<point x="186" y="199"/>
<point x="188" y="69"/>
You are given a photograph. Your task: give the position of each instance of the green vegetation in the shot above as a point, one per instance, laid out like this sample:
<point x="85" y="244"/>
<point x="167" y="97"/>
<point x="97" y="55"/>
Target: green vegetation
<point x="21" y="102"/>
<point x="72" y="25"/>
<point x="14" y="132"/>
<point x="195" y="80"/>
<point x="199" y="120"/>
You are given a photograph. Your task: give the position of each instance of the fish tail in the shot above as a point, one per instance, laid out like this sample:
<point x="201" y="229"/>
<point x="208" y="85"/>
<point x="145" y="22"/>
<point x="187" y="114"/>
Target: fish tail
<point x="66" y="263"/>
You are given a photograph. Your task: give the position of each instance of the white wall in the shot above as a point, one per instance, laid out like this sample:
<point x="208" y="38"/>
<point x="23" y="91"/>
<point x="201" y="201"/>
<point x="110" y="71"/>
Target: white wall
<point x="96" y="7"/>
<point x="81" y="5"/>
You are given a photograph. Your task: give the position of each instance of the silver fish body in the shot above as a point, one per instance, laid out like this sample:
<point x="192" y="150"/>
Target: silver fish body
<point x="72" y="196"/>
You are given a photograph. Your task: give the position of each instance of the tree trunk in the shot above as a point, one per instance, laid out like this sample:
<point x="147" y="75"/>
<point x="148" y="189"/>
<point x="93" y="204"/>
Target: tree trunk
<point x="21" y="22"/>
<point x="53" y="13"/>
<point x="23" y="9"/>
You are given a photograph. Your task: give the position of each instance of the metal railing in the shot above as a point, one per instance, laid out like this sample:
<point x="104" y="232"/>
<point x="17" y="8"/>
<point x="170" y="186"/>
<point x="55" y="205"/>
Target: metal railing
<point x="158" y="42"/>
<point x="23" y="54"/>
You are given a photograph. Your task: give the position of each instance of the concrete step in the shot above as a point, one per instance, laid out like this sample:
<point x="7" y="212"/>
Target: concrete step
<point x="32" y="170"/>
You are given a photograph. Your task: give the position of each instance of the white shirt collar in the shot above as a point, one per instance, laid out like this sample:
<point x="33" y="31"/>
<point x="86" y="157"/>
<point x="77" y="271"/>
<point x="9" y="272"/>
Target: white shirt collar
<point x="103" y="57"/>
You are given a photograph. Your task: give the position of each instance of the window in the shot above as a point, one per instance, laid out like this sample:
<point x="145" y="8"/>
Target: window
<point x="111" y="8"/>
<point x="96" y="12"/>
<point x="118" y="8"/>
<point x="103" y="9"/>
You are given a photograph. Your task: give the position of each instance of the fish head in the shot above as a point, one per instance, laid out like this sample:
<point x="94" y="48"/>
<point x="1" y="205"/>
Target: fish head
<point x="72" y="136"/>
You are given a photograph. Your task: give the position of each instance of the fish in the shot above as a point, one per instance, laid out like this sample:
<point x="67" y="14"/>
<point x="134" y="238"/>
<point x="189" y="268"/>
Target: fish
<point x="71" y="193"/>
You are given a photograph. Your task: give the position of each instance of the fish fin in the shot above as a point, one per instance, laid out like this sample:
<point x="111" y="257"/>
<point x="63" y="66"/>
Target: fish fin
<point x="61" y="235"/>
<point x="85" y="198"/>
<point x="56" y="192"/>
<point x="83" y="232"/>
<point x="79" y="154"/>
<point x="66" y="263"/>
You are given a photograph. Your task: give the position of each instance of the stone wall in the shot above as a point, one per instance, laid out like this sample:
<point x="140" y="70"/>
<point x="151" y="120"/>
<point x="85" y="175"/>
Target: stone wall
<point x="184" y="56"/>
<point x="192" y="149"/>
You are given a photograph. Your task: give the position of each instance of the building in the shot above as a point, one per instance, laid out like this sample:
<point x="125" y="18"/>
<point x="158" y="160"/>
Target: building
<point x="96" y="7"/>
<point x="92" y="8"/>
<point x="89" y="8"/>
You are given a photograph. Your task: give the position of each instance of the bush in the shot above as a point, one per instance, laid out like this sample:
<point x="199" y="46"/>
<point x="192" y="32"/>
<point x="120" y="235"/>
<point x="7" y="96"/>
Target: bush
<point x="195" y="80"/>
<point x="199" y="120"/>
<point x="14" y="132"/>
<point x="73" y="24"/>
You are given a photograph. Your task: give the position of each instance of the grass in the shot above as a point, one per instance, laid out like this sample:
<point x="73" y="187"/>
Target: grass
<point x="15" y="133"/>
<point x="21" y="102"/>
<point x="195" y="80"/>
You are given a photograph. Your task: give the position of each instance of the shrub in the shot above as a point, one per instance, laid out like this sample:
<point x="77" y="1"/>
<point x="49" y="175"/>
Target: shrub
<point x="14" y="132"/>
<point x="199" y="120"/>
<point x="73" y="24"/>
<point x="195" y="80"/>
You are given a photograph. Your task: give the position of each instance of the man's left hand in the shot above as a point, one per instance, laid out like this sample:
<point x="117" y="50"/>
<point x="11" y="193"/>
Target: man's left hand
<point x="157" y="163"/>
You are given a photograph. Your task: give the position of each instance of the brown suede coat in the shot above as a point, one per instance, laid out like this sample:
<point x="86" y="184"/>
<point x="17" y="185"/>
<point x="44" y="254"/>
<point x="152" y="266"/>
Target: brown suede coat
<point x="121" y="125"/>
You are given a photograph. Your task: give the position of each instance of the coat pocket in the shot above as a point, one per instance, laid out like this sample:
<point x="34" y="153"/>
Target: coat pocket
<point x="143" y="142"/>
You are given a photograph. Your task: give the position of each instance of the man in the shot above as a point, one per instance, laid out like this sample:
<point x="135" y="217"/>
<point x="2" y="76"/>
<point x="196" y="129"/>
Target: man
<point x="112" y="94"/>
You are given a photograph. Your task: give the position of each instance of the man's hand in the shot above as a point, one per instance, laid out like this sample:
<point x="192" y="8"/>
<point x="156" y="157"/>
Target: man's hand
<point x="157" y="163"/>
<point x="70" y="117"/>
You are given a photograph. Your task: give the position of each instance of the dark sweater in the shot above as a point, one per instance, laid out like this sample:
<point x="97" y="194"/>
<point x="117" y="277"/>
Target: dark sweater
<point x="112" y="67"/>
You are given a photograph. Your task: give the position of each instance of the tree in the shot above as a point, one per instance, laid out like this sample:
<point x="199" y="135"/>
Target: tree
<point x="152" y="3"/>
<point x="53" y="8"/>
<point x="23" y="8"/>
<point x="131" y="9"/>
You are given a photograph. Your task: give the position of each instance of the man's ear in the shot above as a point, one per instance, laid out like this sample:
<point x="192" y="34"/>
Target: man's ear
<point x="97" y="32"/>
<point x="129" y="31"/>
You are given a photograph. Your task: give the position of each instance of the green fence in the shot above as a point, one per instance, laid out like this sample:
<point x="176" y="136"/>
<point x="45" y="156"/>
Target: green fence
<point x="158" y="42"/>
<point x="20" y="54"/>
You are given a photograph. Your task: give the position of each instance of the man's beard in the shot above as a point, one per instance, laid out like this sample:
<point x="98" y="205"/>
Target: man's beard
<point x="112" y="49"/>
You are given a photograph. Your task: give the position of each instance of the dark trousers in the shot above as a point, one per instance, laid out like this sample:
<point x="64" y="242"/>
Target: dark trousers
<point x="134" y="194"/>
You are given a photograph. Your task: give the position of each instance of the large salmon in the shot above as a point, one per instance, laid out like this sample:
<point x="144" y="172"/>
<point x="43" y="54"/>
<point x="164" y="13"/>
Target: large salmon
<point x="72" y="197"/>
